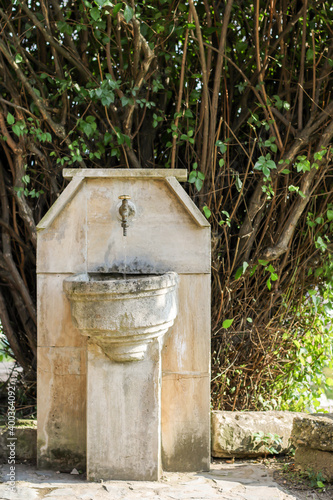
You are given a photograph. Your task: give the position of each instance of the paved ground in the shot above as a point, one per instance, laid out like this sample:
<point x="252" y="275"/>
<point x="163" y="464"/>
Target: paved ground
<point x="223" y="482"/>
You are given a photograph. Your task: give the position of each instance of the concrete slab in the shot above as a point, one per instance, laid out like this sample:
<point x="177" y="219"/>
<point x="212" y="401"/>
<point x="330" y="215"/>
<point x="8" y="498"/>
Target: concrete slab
<point x="223" y="482"/>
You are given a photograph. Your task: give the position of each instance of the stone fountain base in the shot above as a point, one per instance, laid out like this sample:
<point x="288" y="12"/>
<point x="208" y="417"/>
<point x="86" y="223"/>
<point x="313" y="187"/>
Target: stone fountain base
<point x="125" y="320"/>
<point x="82" y="235"/>
<point x="123" y="429"/>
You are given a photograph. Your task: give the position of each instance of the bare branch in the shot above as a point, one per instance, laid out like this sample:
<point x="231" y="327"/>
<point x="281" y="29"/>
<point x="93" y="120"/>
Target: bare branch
<point x="205" y="92"/>
<point x="10" y="334"/>
<point x="57" y="128"/>
<point x="55" y="43"/>
<point x="217" y="78"/>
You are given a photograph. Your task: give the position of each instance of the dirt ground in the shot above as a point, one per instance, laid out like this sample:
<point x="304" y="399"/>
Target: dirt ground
<point x="302" y="485"/>
<point x="292" y="480"/>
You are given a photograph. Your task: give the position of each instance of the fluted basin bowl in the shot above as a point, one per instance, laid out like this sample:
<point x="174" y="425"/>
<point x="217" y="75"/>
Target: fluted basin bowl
<point x="123" y="314"/>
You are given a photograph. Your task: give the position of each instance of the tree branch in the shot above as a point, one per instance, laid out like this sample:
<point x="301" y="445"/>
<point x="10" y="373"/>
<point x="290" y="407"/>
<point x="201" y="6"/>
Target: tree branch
<point x="57" y="128"/>
<point x="10" y="334"/>
<point x="217" y="79"/>
<point x="149" y="55"/>
<point x="272" y="253"/>
<point x="55" y="43"/>
<point x="205" y="91"/>
<point x="301" y="75"/>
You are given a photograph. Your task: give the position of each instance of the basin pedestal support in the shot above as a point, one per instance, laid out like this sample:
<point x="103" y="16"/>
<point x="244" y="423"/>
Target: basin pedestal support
<point x="124" y="416"/>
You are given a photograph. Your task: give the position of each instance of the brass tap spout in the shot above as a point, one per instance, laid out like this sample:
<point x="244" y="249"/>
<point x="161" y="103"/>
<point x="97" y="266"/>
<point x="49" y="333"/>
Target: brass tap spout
<point x="124" y="212"/>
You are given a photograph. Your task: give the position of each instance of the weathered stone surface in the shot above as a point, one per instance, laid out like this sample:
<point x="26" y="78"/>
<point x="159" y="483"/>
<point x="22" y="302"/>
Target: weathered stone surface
<point x="233" y="433"/>
<point x="314" y="431"/>
<point x="316" y="460"/>
<point x="160" y="238"/>
<point x="61" y="236"/>
<point x="55" y="327"/>
<point x="61" y="407"/>
<point x="82" y="233"/>
<point x="123" y="417"/>
<point x="187" y="347"/>
<point x="123" y="173"/>
<point x="185" y="422"/>
<point x="186" y="380"/>
<point x="123" y="315"/>
<point x="25" y="444"/>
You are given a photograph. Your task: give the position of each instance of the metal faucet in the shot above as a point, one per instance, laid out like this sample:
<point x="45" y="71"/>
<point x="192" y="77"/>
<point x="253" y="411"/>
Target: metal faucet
<point x="124" y="212"/>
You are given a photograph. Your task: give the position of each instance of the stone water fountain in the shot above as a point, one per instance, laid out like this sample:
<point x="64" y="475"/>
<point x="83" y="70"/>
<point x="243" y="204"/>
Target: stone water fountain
<point x="124" y="327"/>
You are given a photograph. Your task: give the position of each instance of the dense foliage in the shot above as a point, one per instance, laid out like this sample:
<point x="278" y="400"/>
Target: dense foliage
<point x="236" y="92"/>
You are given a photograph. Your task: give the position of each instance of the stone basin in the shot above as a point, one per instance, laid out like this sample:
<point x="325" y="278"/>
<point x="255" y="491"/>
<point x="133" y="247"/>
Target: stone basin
<point x="123" y="314"/>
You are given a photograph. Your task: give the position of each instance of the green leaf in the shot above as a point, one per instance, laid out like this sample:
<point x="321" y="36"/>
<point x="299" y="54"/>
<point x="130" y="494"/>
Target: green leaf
<point x="117" y="8"/>
<point x="198" y="184"/>
<point x="10" y="119"/>
<point x="249" y="320"/>
<point x="297" y="344"/>
<point x="221" y="146"/>
<point x="188" y="114"/>
<point x="329" y="213"/>
<point x="271" y="164"/>
<point x="285" y="171"/>
<point x="18" y="58"/>
<point x="127" y="140"/>
<point x="128" y="13"/>
<point x="258" y="165"/>
<point x="64" y="28"/>
<point x="319" y="271"/>
<point x="268" y="283"/>
<point x="95" y="13"/>
<point x="192" y="177"/>
<point x="253" y="270"/>
<point x="263" y="262"/>
<point x="238" y="183"/>
<point x="238" y="273"/>
<point x="241" y="270"/>
<point x="266" y="172"/>
<point x="88" y="130"/>
<point x="227" y="323"/>
<point x="309" y="55"/>
<point x="17" y="130"/>
<point x="206" y="211"/>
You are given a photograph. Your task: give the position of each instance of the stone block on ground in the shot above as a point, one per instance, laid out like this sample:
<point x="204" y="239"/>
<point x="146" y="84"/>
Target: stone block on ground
<point x="233" y="433"/>
<point x="314" y="431"/>
<point x="25" y="433"/>
<point x="312" y="435"/>
<point x="315" y="460"/>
